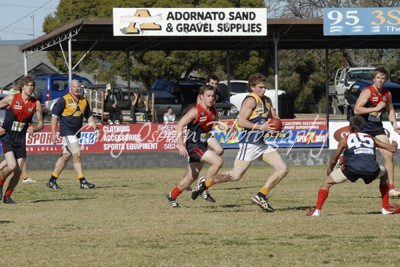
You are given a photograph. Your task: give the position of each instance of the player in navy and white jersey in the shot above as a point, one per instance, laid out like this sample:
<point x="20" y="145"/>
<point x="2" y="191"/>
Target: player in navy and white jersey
<point x="359" y="155"/>
<point x="17" y="123"/>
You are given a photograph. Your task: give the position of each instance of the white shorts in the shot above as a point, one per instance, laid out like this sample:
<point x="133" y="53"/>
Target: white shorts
<point x="250" y="152"/>
<point x="70" y="144"/>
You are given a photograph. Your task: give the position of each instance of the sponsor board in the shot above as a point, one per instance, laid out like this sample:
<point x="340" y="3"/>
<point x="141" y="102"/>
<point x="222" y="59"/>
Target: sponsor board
<point x="340" y="129"/>
<point x="190" y="21"/>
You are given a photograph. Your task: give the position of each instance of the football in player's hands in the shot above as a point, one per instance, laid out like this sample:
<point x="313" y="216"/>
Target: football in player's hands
<point x="276" y="123"/>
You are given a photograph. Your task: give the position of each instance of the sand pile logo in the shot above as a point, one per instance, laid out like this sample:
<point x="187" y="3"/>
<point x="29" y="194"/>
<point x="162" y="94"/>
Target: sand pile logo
<point x="140" y="21"/>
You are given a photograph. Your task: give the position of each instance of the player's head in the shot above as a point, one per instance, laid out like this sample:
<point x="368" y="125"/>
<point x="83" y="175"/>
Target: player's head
<point x="381" y="70"/>
<point x="207" y="95"/>
<point x="27" y="85"/>
<point x="357" y="124"/>
<point x="26" y="80"/>
<point x="257" y="83"/>
<point x="75" y="87"/>
<point x="212" y="80"/>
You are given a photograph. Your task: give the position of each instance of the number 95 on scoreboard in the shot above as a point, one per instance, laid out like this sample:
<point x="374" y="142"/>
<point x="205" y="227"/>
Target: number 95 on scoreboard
<point x="361" y="21"/>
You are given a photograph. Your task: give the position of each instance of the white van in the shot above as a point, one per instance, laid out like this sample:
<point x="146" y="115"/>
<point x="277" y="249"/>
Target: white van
<point x="240" y="89"/>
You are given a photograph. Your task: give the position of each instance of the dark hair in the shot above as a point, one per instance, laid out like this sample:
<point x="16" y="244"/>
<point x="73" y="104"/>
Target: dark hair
<point x="169" y="107"/>
<point x="211" y="77"/>
<point x="25" y="80"/>
<point x="357" y="123"/>
<point x="382" y="70"/>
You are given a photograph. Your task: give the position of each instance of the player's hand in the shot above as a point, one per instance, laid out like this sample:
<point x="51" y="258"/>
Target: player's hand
<point x="2" y="131"/>
<point x="328" y="170"/>
<point x="394" y="144"/>
<point x="53" y="138"/>
<point x="267" y="127"/>
<point x="396" y="129"/>
<point x="380" y="106"/>
<point x="30" y="130"/>
<point x="183" y="152"/>
<point x="97" y="133"/>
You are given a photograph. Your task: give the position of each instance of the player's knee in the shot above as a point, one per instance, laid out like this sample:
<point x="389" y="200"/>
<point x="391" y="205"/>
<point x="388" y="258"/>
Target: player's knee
<point x="219" y="151"/>
<point x="77" y="158"/>
<point x="283" y="171"/>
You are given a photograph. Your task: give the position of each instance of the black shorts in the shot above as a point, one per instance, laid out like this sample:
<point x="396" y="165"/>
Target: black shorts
<point x="196" y="152"/>
<point x="376" y="133"/>
<point x="19" y="151"/>
<point x="367" y="177"/>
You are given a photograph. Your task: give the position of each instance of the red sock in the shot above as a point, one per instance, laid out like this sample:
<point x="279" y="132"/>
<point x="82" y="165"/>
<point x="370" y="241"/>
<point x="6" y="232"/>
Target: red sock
<point x="322" y="196"/>
<point x="384" y="188"/>
<point x="8" y="192"/>
<point x="175" y="192"/>
<point x="1" y="181"/>
<point x="391" y="186"/>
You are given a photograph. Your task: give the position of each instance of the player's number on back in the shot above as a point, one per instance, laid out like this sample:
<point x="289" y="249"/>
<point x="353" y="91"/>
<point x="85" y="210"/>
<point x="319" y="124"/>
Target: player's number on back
<point x="359" y="141"/>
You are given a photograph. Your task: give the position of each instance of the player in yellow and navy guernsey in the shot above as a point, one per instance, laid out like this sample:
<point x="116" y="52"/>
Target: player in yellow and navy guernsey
<point x="254" y="114"/>
<point x="199" y="121"/>
<point x="17" y="123"/>
<point x="71" y="109"/>
<point x="359" y="155"/>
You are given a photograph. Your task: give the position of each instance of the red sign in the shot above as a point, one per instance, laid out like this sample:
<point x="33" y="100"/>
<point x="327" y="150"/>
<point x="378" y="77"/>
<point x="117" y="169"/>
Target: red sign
<point x="115" y="139"/>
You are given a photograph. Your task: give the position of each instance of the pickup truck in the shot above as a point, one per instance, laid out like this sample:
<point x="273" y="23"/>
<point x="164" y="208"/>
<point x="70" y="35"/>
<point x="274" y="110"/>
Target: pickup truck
<point x="345" y="77"/>
<point x="51" y="87"/>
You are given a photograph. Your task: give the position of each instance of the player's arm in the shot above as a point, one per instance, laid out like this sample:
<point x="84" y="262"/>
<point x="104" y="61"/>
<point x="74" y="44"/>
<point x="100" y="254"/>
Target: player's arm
<point x="3" y="103"/>
<point x="244" y="114"/>
<point x="335" y="157"/>
<point x="55" y="115"/>
<point x="392" y="147"/>
<point x="392" y="114"/>
<point x="273" y="113"/>
<point x="185" y="120"/>
<point x="362" y="100"/>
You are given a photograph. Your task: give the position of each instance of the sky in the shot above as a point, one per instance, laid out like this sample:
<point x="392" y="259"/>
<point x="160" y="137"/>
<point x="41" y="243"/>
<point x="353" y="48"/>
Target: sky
<point x="23" y="19"/>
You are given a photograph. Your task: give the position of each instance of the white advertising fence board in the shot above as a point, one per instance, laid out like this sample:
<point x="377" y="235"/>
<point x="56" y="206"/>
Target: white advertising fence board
<point x="339" y="129"/>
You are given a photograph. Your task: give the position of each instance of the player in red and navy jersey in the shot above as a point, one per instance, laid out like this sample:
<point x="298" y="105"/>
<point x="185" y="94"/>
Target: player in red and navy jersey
<point x="17" y="123"/>
<point x="199" y="121"/>
<point x="71" y="109"/>
<point x="371" y="104"/>
<point x="359" y="163"/>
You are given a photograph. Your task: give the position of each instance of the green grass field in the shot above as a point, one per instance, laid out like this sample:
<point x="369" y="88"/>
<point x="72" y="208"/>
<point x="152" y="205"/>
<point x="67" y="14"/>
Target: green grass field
<point x="126" y="221"/>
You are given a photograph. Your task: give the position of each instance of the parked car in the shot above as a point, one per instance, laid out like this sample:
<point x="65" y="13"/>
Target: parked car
<point x="345" y="77"/>
<point x="352" y="94"/>
<point x="51" y="87"/>
<point x="239" y="89"/>
<point x="181" y="95"/>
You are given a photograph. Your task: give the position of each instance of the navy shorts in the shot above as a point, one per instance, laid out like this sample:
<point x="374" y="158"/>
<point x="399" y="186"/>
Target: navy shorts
<point x="196" y="152"/>
<point x="19" y="151"/>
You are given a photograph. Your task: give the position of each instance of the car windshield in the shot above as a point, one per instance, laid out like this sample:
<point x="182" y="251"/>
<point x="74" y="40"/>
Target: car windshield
<point x="361" y="75"/>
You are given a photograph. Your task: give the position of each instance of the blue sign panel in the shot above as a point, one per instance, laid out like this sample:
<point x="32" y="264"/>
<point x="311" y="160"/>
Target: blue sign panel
<point x="361" y="21"/>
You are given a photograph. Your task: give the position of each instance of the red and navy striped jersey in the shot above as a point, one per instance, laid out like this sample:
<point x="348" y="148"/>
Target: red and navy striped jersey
<point x="198" y="129"/>
<point x="373" y="120"/>
<point x="17" y="119"/>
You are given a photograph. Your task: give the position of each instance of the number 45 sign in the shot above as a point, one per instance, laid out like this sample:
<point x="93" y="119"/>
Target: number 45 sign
<point x="361" y="21"/>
